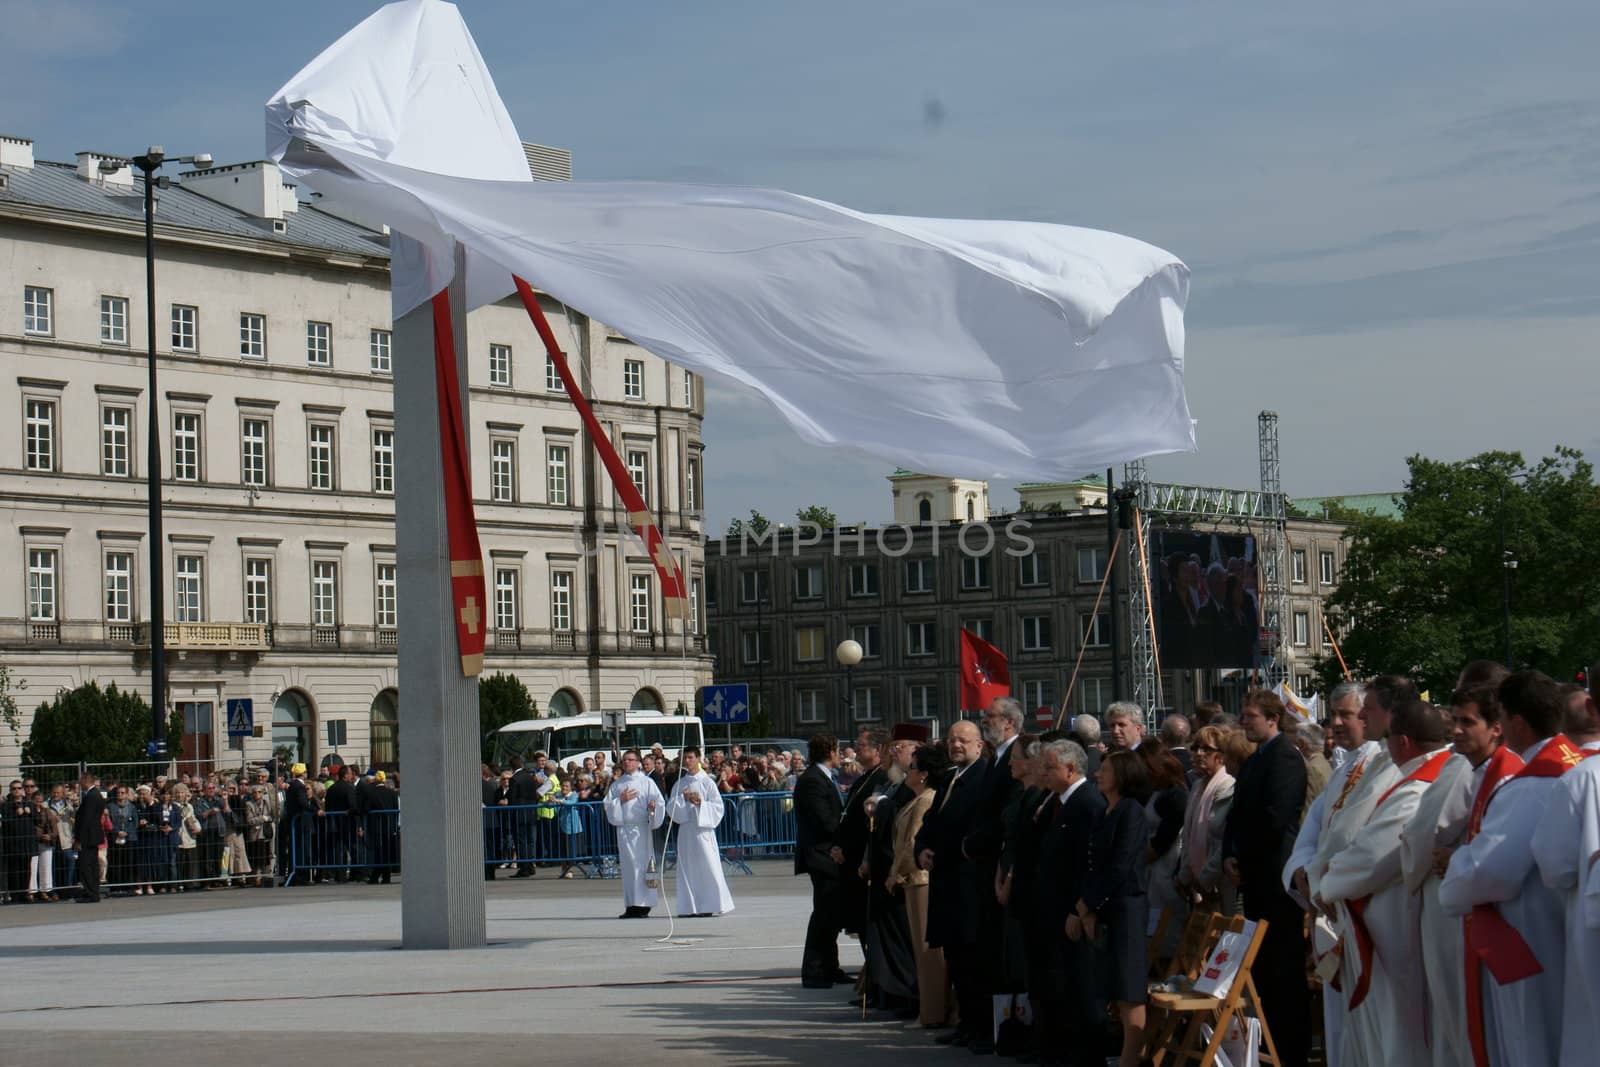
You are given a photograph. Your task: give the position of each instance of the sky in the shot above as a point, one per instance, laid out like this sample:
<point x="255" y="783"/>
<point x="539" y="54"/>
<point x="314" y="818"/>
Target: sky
<point x="1391" y="211"/>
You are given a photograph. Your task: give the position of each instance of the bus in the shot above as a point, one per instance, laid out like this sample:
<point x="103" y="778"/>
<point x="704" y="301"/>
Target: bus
<point x="575" y="737"/>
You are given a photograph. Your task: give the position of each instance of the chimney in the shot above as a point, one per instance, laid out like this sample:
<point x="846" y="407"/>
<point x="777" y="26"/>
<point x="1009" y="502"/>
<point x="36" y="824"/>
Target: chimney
<point x="16" y="152"/>
<point x="89" y="170"/>
<point x="257" y="189"/>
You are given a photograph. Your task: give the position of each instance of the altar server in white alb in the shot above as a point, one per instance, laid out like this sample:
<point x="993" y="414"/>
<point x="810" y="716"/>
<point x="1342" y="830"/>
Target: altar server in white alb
<point x="696" y="806"/>
<point x="635" y="807"/>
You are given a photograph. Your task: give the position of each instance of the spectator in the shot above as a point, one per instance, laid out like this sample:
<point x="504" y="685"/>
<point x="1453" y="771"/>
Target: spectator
<point x="1086" y="731"/>
<point x="1165" y="809"/>
<point x="236" y="859"/>
<point x="1200" y="855"/>
<point x="1175" y="735"/>
<point x="123" y="849"/>
<point x="1125" y="725"/>
<point x="188" y="839"/>
<point x="150" y="865"/>
<point x="571" y="826"/>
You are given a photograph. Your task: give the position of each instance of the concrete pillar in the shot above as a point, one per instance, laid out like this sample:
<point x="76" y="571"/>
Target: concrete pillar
<point x="441" y="897"/>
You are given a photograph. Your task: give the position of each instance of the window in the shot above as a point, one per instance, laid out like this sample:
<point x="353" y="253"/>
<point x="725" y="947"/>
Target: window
<point x="688" y="389"/>
<point x="1095" y="630"/>
<point x="922" y="638"/>
<point x="319" y="456"/>
<point x="380" y="351"/>
<point x="1302" y="684"/>
<point x="1091" y="564"/>
<point x="711" y="590"/>
<point x="753" y="587"/>
<point x="555" y="474"/>
<point x="691" y="486"/>
<point x="863" y="579"/>
<point x="1035" y="633"/>
<point x="919" y="575"/>
<point x="639" y="472"/>
<point x="500" y="366"/>
<point x="319" y="344"/>
<point x="114" y="320"/>
<point x="505" y="599"/>
<point x="983" y="629"/>
<point x="924" y="510"/>
<point x="39" y="434"/>
<point x="42" y="584"/>
<point x="252" y="335"/>
<point x="866" y="635"/>
<point x="922" y="701"/>
<point x="696" y="591"/>
<point x="383" y="460"/>
<point x="38" y="310"/>
<point x="324" y="593"/>
<point x="1033" y="570"/>
<point x="185" y="328"/>
<point x="633" y="379"/>
<point x="552" y="376"/>
<point x="1093" y="694"/>
<point x="188" y="589"/>
<point x="386" y="601"/>
<point x="186" y="446"/>
<point x="502" y="471"/>
<point x="1325" y="573"/>
<point x="808" y="581"/>
<point x="561" y="601"/>
<point x="808" y="705"/>
<point x="755" y="646"/>
<point x="258" y="590"/>
<point x="1302" y="629"/>
<point x="1297" y="566"/>
<point x="1038" y="694"/>
<point x="119" y="587"/>
<point x="974" y="572"/>
<point x="867" y="705"/>
<point x="116" y="431"/>
<point x="639" y="603"/>
<point x="253" y="451"/>
<point x="808" y="644"/>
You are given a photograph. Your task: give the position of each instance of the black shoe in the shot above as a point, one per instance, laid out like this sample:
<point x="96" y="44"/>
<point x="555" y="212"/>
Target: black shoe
<point x="842" y="978"/>
<point x="955" y="1038"/>
<point x="816" y="983"/>
<point x="88" y="900"/>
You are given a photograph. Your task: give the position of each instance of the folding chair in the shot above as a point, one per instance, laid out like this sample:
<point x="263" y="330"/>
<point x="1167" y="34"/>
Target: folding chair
<point x="1200" y="935"/>
<point x="1191" y="942"/>
<point x="1184" y="1013"/>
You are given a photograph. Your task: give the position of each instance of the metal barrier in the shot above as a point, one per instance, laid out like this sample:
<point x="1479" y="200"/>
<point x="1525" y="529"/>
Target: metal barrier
<point x="340" y="846"/>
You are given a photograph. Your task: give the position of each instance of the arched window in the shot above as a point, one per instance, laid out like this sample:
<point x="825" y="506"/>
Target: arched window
<point x="646" y="700"/>
<point x="972" y="509"/>
<point x="294" y="728"/>
<point x="924" y="510"/>
<point x="564" y="703"/>
<point x="385" y="723"/>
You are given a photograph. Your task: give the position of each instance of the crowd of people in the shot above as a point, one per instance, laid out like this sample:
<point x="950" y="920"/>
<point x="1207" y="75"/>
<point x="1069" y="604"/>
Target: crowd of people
<point x="1425" y="871"/>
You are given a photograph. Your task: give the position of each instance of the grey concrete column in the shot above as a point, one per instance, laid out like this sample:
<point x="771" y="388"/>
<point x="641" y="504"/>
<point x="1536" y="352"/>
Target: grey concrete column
<point x="441" y="898"/>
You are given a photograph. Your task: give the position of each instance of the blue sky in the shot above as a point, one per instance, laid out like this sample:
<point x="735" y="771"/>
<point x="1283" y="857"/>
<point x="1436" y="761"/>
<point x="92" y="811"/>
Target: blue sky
<point x="1392" y="211"/>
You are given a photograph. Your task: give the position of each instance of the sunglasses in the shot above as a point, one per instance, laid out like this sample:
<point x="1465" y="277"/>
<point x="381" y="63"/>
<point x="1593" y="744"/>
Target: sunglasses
<point x="1202" y="748"/>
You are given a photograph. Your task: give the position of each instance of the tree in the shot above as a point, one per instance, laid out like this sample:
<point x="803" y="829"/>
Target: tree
<point x="1422" y="595"/>
<point x="502" y="699"/>
<point x="757" y="525"/>
<point x="10" y="714"/>
<point x="91" y="725"/>
<point x="818" y="514"/>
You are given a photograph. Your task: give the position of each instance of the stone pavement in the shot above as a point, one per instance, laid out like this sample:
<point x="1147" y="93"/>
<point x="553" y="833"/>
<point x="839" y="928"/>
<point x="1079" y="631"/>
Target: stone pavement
<point x="278" y="974"/>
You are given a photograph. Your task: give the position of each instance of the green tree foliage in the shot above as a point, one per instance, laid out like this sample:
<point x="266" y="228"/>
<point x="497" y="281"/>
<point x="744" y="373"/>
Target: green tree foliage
<point x="95" y="726"/>
<point x="10" y="714"/>
<point x="502" y="699"/>
<point x="1422" y="594"/>
<point x="757" y="525"/>
<point x="823" y="517"/>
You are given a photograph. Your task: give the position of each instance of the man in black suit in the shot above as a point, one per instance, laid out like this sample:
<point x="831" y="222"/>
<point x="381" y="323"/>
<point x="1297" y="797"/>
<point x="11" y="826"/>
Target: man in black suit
<point x="294" y="831"/>
<point x="524" y="795"/>
<point x="886" y="941"/>
<point x="89" y="835"/>
<point x="338" y="803"/>
<point x="870" y="745"/>
<point x="1002" y="722"/>
<point x="1175" y="735"/>
<point x="817" y="809"/>
<point x="953" y="890"/>
<point x="1068" y="1021"/>
<point x="1260" y="833"/>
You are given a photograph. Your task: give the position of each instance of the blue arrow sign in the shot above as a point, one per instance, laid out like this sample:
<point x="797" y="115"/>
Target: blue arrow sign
<point x="241" y="717"/>
<point x="725" y="704"/>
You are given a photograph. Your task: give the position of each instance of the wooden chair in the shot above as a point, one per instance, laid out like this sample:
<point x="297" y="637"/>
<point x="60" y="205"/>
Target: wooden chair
<point x="1177" y="1038"/>
<point x="1200" y="934"/>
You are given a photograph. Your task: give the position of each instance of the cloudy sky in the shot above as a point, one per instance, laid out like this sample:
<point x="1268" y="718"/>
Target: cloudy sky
<point x="1392" y="211"/>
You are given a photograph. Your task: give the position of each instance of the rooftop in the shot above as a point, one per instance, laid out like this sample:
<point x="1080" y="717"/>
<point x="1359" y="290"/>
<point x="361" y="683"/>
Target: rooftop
<point x="1384" y="505"/>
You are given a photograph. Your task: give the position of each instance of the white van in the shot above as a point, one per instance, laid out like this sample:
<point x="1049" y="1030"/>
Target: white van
<point x="575" y="737"/>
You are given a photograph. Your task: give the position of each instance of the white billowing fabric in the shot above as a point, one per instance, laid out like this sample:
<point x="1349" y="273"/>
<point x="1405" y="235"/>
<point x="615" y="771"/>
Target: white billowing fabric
<point x="1567" y="836"/>
<point x="1387" y="1026"/>
<point x="1440" y="822"/>
<point x="1522" y="1020"/>
<point x="701" y="886"/>
<point x="976" y="348"/>
<point x="634" y="819"/>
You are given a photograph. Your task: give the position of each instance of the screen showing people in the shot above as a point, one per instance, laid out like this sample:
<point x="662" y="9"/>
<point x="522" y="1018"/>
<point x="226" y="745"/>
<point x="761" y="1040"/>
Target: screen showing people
<point x="1208" y="609"/>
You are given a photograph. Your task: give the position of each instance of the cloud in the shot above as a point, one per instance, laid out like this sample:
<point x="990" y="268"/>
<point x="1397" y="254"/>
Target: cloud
<point x="47" y="29"/>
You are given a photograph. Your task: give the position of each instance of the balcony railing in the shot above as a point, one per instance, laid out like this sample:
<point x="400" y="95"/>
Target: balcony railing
<point x="44" y="631"/>
<point x="388" y="637"/>
<point x="563" y="641"/>
<point x="644" y="642"/>
<point x="222" y="636"/>
<point x="507" y="640"/>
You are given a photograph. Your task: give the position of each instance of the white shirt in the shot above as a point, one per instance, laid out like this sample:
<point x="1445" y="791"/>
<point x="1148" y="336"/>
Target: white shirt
<point x="1066" y="794"/>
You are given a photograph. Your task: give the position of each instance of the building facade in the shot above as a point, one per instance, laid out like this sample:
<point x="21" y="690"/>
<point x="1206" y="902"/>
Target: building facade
<point x="1027" y="582"/>
<point x="278" y="444"/>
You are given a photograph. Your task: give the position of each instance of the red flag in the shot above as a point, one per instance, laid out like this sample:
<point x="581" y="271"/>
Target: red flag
<point x="466" y="555"/>
<point x="985" y="674"/>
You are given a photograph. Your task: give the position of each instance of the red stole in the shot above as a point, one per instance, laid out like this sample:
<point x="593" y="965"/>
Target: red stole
<point x="1428" y="772"/>
<point x="466" y="555"/>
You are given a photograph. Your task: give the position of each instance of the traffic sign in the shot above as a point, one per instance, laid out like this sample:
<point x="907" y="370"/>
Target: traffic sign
<point x="614" y="720"/>
<point x="1044" y="717"/>
<point x="725" y="703"/>
<point x="241" y="717"/>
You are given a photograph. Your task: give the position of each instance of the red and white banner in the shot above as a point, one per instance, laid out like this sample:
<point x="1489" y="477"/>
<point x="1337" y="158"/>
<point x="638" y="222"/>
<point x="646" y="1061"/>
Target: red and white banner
<point x="466" y="554"/>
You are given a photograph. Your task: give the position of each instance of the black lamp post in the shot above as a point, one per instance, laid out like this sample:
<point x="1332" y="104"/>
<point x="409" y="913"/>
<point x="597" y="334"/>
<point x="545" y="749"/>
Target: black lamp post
<point x="848" y="653"/>
<point x="148" y="164"/>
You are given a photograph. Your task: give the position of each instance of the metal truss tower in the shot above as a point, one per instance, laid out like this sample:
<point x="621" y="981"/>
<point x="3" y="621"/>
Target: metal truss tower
<point x="1274" y="554"/>
<point x="1141" y="647"/>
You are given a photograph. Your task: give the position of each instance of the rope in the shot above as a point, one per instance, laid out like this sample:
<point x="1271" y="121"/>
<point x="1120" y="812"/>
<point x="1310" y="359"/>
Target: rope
<point x="1149" y="607"/>
<point x="1343" y="667"/>
<point x="1105" y="579"/>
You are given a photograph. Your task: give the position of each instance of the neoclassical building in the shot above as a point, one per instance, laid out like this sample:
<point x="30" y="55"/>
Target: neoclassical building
<point x="277" y="440"/>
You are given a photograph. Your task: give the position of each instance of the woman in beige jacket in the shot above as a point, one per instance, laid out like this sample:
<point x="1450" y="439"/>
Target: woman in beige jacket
<point x="928" y="767"/>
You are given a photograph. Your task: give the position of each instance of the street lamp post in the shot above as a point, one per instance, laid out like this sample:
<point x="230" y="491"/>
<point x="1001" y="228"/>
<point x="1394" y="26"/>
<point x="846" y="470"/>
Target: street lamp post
<point x="848" y="653"/>
<point x="148" y="164"/>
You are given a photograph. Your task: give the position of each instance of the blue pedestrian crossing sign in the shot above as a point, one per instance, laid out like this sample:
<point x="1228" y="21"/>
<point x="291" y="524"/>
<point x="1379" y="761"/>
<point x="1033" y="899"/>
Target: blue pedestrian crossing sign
<point x="241" y="717"/>
<point x="725" y="704"/>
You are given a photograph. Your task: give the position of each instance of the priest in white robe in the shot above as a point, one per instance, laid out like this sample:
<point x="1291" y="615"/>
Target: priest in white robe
<point x="634" y="805"/>
<point x="1495" y="868"/>
<point x="1385" y="998"/>
<point x="696" y="808"/>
